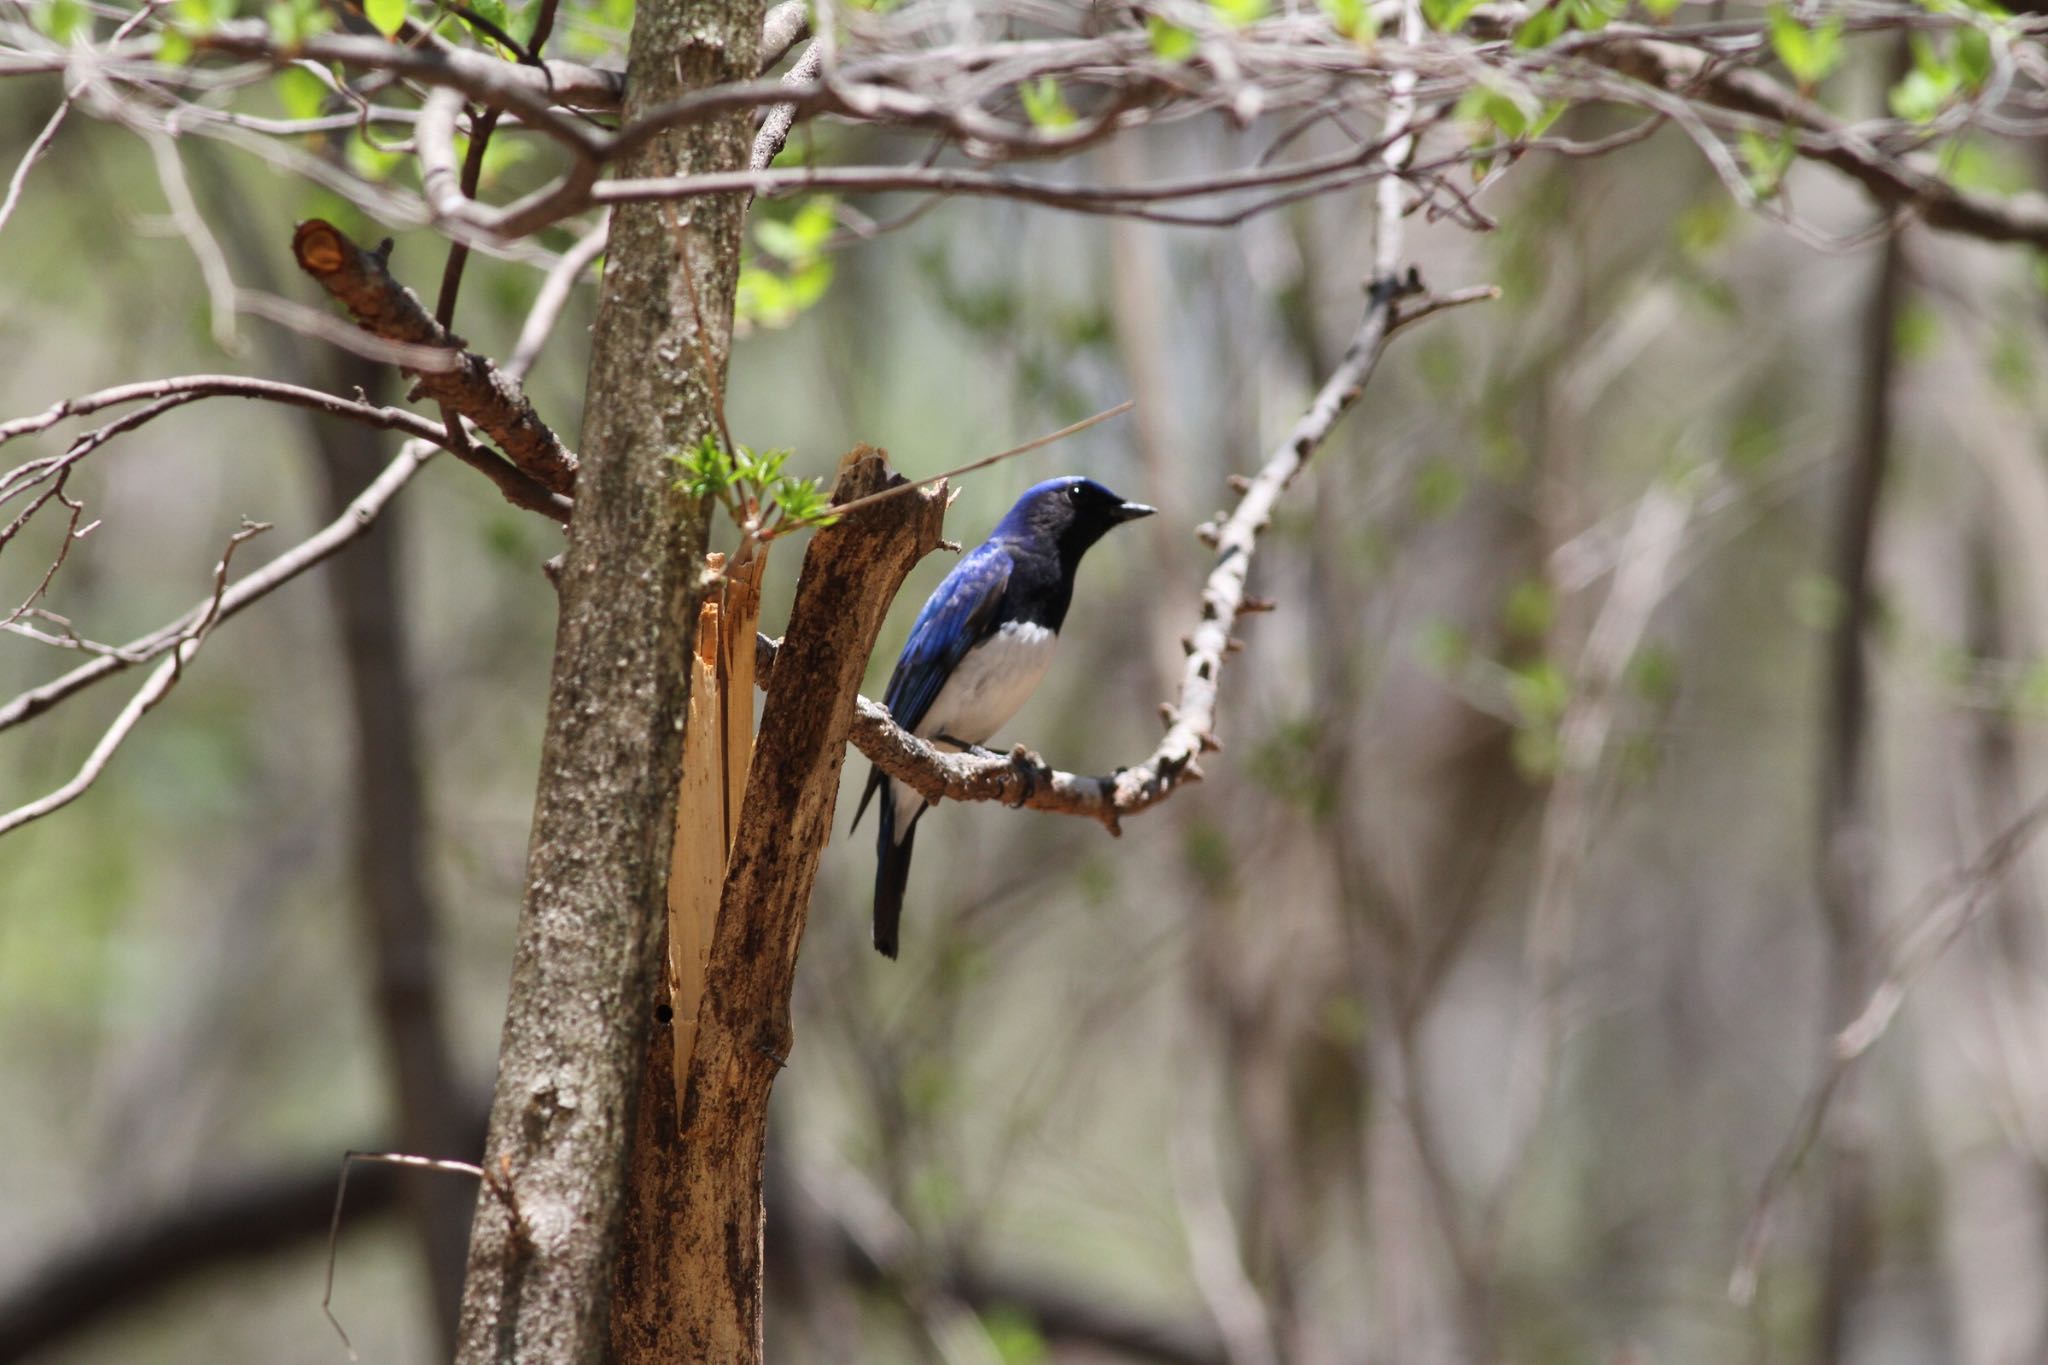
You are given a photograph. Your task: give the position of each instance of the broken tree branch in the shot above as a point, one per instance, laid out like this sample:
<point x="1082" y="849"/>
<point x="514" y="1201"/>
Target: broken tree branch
<point x="476" y="388"/>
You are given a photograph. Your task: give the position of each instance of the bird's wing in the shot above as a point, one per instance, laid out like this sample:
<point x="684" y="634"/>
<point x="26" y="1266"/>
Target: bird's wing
<point x="962" y="613"/>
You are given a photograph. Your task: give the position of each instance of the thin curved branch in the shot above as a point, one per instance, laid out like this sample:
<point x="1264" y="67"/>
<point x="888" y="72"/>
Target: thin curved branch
<point x="164" y="395"/>
<point x="553" y="297"/>
<point x="1895" y="181"/>
<point x="167" y="676"/>
<point x="356" y="521"/>
<point x="782" y="28"/>
<point x="1024" y="779"/>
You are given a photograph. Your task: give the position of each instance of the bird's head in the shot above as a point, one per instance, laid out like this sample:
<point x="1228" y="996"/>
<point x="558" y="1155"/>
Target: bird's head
<point x="1071" y="512"/>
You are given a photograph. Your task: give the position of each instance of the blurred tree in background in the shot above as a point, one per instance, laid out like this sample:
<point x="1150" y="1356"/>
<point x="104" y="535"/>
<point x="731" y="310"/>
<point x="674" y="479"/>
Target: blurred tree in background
<point x="1610" y="930"/>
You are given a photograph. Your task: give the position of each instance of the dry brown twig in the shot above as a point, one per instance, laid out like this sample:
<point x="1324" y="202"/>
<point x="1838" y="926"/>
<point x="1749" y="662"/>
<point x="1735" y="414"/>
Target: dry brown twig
<point x="473" y="386"/>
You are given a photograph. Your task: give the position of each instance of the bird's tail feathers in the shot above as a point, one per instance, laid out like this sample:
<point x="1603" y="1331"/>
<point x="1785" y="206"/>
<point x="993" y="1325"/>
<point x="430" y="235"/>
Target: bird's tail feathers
<point x="892" y="874"/>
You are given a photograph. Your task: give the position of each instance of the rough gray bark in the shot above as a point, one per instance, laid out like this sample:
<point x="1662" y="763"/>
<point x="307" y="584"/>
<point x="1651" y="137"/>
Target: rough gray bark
<point x="689" y="1273"/>
<point x="589" y="943"/>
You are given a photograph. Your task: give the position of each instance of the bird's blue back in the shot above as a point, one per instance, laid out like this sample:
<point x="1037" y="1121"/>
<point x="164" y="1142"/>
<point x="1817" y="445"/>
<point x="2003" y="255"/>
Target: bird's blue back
<point x="960" y="614"/>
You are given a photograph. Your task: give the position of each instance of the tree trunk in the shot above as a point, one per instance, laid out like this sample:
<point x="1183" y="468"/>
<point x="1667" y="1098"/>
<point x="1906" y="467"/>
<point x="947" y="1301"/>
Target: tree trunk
<point x="588" y="959"/>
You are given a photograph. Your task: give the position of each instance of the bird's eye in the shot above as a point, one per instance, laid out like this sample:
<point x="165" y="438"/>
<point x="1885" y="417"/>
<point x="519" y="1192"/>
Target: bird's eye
<point x="1074" y="493"/>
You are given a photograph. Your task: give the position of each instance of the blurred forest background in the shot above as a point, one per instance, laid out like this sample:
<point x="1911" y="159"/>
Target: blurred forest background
<point x="1464" y="1013"/>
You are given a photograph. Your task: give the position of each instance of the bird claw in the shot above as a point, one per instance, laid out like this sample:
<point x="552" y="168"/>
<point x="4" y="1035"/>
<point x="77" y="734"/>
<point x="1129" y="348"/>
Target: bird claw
<point x="1028" y="766"/>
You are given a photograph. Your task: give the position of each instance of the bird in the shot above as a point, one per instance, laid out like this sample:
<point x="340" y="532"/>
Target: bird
<point x="980" y="646"/>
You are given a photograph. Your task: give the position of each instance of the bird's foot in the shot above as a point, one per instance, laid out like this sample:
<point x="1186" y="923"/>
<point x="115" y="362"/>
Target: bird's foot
<point x="1028" y="766"/>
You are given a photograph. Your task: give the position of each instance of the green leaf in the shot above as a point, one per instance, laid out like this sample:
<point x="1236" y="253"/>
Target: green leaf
<point x="386" y="16"/>
<point x="1015" y="1336"/>
<point x="1438" y="489"/>
<point x="59" y="19"/>
<point x="1045" y="105"/>
<point x="779" y="240"/>
<point x="803" y="236"/>
<point x="1539" y="692"/>
<point x="1704" y="226"/>
<point x="1495" y="108"/>
<point x="1808" y="54"/>
<point x="302" y="93"/>
<point x="1974" y="164"/>
<point x="1918" y="97"/>
<point x="492" y="12"/>
<point x="808" y="285"/>
<point x="370" y="161"/>
<point x="204" y="16"/>
<point x="816" y="221"/>
<point x="2012" y="363"/>
<point x="1170" y="42"/>
<point x="1443" y="647"/>
<point x="1916" y="333"/>
<point x="1768" y="158"/>
<point x="1653" y="674"/>
<point x="1352" y="19"/>
<point x="762" y="298"/>
<point x="1974" y="62"/>
<point x="705" y="470"/>
<point x="801" y="500"/>
<point x="1529" y="609"/>
<point x="1662" y="9"/>
<point x="1591" y="16"/>
<point x="1239" y="13"/>
<point x="174" y="48"/>
<point x="283" y="18"/>
<point x="1447" y="16"/>
<point x="1542" y="28"/>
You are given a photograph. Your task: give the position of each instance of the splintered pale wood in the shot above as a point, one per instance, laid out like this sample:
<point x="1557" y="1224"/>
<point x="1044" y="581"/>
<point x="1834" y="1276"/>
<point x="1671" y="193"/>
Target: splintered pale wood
<point x="688" y="1279"/>
<point x="718" y="741"/>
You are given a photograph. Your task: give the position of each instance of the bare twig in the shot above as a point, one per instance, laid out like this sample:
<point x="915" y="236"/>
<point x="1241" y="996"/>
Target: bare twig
<point x="348" y="1160"/>
<point x="782" y="28"/>
<point x="155" y="690"/>
<point x="43" y="139"/>
<point x="163" y="395"/>
<point x="774" y="134"/>
<point x="213" y="263"/>
<point x="1944" y="911"/>
<point x="553" y="298"/>
<point x="360" y="516"/>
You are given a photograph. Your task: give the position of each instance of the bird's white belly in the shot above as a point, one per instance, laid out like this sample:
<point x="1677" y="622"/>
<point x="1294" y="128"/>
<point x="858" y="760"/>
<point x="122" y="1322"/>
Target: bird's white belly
<point x="990" y="685"/>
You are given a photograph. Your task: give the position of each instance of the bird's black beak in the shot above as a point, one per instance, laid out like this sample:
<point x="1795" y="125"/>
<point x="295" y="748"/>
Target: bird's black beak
<point x="1131" y="511"/>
